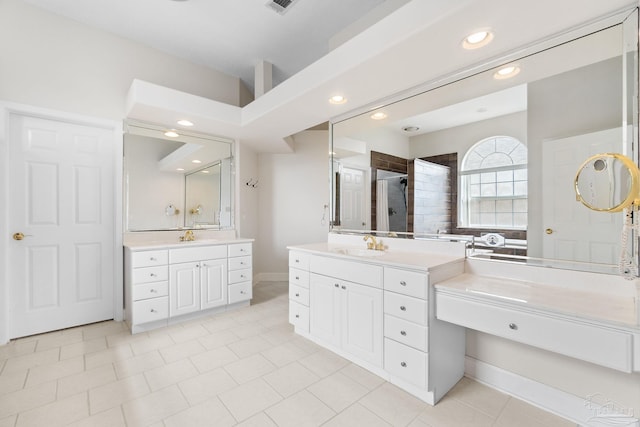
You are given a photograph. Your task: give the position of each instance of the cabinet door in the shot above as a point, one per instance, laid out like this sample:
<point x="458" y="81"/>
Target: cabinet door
<point x="324" y="313"/>
<point x="361" y="325"/>
<point x="213" y="283"/>
<point x="184" y="288"/>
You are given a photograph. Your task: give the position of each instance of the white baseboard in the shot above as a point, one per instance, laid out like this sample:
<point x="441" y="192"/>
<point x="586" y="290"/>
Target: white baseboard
<point x="566" y="405"/>
<point x="271" y="277"/>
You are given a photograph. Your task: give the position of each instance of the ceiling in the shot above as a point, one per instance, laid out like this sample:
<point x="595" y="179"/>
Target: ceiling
<point x="232" y="36"/>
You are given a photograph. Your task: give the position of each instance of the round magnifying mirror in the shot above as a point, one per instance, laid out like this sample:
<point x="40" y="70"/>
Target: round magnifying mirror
<point x="607" y="182"/>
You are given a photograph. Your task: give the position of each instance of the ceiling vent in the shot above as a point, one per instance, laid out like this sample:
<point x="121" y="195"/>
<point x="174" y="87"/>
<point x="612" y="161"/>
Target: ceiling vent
<point x="280" y="6"/>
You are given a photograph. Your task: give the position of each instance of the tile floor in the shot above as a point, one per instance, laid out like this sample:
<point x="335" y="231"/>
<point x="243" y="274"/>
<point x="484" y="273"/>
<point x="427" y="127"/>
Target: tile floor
<point x="245" y="368"/>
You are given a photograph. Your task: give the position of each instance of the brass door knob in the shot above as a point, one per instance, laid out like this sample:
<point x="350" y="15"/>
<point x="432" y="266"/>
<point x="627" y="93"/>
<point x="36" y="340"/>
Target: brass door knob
<point x="18" y="236"/>
<point x="548" y="231"/>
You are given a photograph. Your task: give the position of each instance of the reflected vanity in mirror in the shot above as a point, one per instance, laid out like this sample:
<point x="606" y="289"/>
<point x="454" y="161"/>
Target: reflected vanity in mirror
<point x="493" y="154"/>
<point x="172" y="183"/>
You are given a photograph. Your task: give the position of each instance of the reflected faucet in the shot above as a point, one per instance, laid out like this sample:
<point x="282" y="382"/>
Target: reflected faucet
<point x="372" y="243"/>
<point x="188" y="236"/>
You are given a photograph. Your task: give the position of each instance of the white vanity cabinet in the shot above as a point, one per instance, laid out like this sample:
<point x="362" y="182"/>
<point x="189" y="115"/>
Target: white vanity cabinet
<point x="165" y="285"/>
<point x="299" y="291"/>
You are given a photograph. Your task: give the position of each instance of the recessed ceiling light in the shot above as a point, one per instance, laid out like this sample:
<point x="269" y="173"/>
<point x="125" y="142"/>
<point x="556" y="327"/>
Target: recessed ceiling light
<point x="185" y="123"/>
<point x="477" y="39"/>
<point x="337" y="99"/>
<point x="205" y="171"/>
<point x="379" y="115"/>
<point x="180" y="169"/>
<point x="171" y="133"/>
<point x="411" y="128"/>
<point x="196" y="161"/>
<point x="506" y="72"/>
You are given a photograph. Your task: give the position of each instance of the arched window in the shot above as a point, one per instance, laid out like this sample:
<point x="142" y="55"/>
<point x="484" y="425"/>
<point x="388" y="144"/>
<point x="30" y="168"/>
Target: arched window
<point x="493" y="184"/>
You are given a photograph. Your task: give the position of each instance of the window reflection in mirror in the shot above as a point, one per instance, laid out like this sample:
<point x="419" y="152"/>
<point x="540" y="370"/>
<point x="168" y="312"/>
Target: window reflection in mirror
<point x="175" y="183"/>
<point x="563" y="105"/>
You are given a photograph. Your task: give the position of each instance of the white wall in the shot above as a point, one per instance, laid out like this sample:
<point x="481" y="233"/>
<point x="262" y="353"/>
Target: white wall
<point x="54" y="62"/>
<point x="292" y="192"/>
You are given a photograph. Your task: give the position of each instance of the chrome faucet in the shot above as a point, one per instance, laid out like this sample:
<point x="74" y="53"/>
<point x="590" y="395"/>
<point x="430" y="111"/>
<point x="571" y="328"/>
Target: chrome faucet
<point x="372" y="244"/>
<point x="188" y="236"/>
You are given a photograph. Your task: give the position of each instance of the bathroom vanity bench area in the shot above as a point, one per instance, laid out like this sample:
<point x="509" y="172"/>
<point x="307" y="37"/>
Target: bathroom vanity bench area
<point x="376" y="308"/>
<point x="167" y="283"/>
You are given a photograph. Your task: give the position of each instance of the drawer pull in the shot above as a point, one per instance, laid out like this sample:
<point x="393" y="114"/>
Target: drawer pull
<point x="297" y="295"/>
<point x="152" y="259"/>
<point x="297" y="278"/>
<point x="153" y="310"/>
<point x="336" y="285"/>
<point x="403" y="283"/>
<point x="513" y="326"/>
<point x="242" y="292"/>
<point x="152" y="274"/>
<point x="403" y="308"/>
<point x="241" y="262"/>
<point x="403" y="333"/>
<point x="153" y="291"/>
<point x="343" y="287"/>
<point x="297" y="261"/>
<point x="241" y="250"/>
<point x="297" y="316"/>
<point x="403" y="364"/>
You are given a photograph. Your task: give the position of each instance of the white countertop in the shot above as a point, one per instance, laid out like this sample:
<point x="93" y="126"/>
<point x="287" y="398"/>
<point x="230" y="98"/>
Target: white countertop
<point x="393" y="257"/>
<point x="165" y="244"/>
<point x="620" y="309"/>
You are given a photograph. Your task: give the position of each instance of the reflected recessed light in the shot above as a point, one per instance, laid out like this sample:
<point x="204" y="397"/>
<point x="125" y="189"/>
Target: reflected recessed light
<point x="171" y="133"/>
<point x="411" y="128"/>
<point x="185" y="123"/>
<point x="477" y="39"/>
<point x="379" y="115"/>
<point x="180" y="169"/>
<point x="205" y="171"/>
<point x="337" y="99"/>
<point x="506" y="72"/>
<point x="196" y="161"/>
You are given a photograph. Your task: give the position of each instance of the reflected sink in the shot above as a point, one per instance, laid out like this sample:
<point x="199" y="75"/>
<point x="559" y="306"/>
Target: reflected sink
<point x="359" y="252"/>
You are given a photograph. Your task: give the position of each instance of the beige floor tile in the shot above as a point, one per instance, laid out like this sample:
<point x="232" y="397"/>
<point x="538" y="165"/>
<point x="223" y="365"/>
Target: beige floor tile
<point x="284" y="354"/>
<point x="49" y="341"/>
<point x="208" y="413"/>
<point x="393" y="405"/>
<point x="172" y="373"/>
<point x="181" y="350"/>
<point x="108" y="356"/>
<point x="324" y="363"/>
<point x="249" y="368"/>
<point x="58" y="413"/>
<point x="113" y="394"/>
<point x="44" y="373"/>
<point x="362" y="376"/>
<point x="250" y="398"/>
<point x="151" y="343"/>
<point x="83" y="381"/>
<point x="188" y="333"/>
<point x="206" y="386"/>
<point x="124" y="338"/>
<point x="279" y="334"/>
<point x="478" y="396"/>
<point x="154" y="407"/>
<point x="109" y="418"/>
<point x="102" y="329"/>
<point x="17" y="348"/>
<point x="517" y="412"/>
<point x="450" y="412"/>
<point x="9" y="421"/>
<point x="213" y="359"/>
<point x="83" y="347"/>
<point x="26" y="399"/>
<point x="258" y="420"/>
<point x="220" y="323"/>
<point x="12" y="382"/>
<point x="356" y="416"/>
<point x="338" y="391"/>
<point x="290" y="379"/>
<point x="249" y="330"/>
<point x="138" y="364"/>
<point x="22" y="363"/>
<point x="300" y="410"/>
<point x="248" y="346"/>
<point x="218" y="339"/>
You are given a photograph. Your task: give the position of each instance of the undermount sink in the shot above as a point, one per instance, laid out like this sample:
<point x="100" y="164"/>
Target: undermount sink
<point x="359" y="252"/>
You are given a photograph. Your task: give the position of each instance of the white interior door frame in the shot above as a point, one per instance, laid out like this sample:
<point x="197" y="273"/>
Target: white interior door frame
<point x="6" y="110"/>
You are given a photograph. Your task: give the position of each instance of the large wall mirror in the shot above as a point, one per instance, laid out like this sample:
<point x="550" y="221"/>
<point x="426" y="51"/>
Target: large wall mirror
<point x="494" y="155"/>
<point x="182" y="181"/>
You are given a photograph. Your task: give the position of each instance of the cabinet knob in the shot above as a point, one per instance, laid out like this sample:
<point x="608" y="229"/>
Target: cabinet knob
<point x="242" y="292"/>
<point x="403" y="308"/>
<point x="153" y="291"/>
<point x="403" y="364"/>
<point x="242" y="276"/>
<point x="513" y="326"/>
<point x="297" y="278"/>
<point x="336" y="285"/>
<point x="297" y="316"/>
<point x="403" y="333"/>
<point x="152" y="259"/>
<point x="343" y="287"/>
<point x="241" y="262"/>
<point x="153" y="310"/>
<point x="297" y="295"/>
<point x="403" y="283"/>
<point x="297" y="261"/>
<point x="152" y="274"/>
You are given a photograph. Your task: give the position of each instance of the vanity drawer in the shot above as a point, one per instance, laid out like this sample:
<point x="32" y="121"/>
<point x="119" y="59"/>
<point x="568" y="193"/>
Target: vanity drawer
<point x="240" y="249"/>
<point x="149" y="258"/>
<point x="299" y="316"/>
<point x="585" y="341"/>
<point x="197" y="253"/>
<point x="407" y="308"/>
<point x="150" y="274"/>
<point x="240" y="292"/>
<point x="150" y="290"/>
<point x="299" y="294"/>
<point x="299" y="260"/>
<point x="299" y="277"/>
<point x="405" y="363"/>
<point x="405" y="332"/>
<point x="356" y="272"/>
<point x="239" y="263"/>
<point x="412" y="283"/>
<point x="149" y="310"/>
<point x="238" y="276"/>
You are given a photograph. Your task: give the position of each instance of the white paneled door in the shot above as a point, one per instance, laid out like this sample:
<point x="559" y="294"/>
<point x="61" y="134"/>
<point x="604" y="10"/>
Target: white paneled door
<point x="61" y="224"/>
